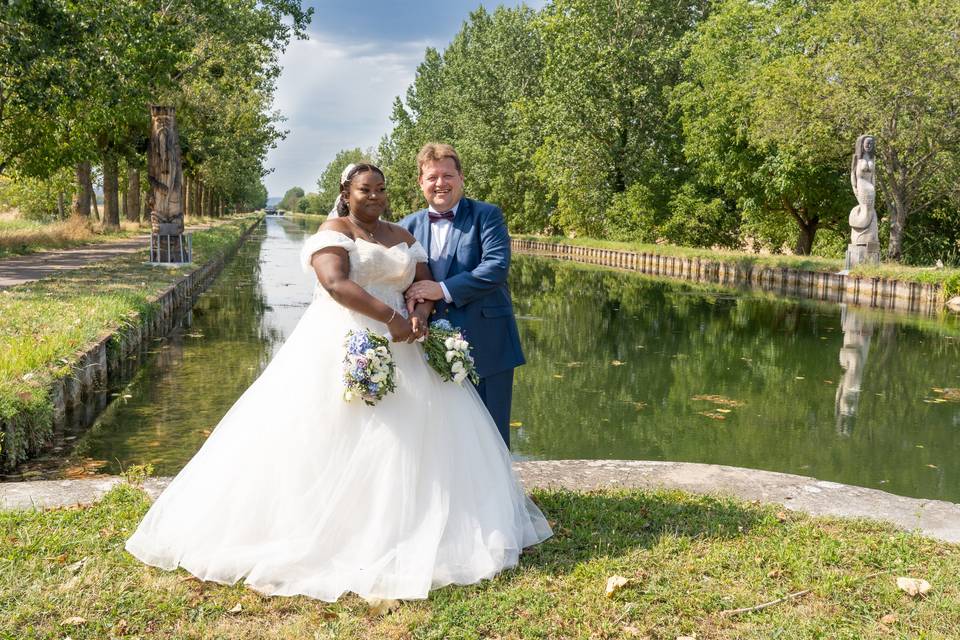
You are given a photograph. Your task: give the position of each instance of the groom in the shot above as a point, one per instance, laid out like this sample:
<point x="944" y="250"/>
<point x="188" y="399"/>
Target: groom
<point x="469" y="251"/>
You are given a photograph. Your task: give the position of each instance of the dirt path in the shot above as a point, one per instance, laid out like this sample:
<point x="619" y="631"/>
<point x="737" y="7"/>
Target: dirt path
<point x="21" y="269"/>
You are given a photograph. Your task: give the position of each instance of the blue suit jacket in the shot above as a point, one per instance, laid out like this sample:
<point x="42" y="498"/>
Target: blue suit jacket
<point x="474" y="270"/>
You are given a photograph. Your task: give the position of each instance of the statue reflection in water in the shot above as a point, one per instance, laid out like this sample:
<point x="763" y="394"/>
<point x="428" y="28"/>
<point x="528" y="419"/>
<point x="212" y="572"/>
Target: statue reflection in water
<point x="857" y="332"/>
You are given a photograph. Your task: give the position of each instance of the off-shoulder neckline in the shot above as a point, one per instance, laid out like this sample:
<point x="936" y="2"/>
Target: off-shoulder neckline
<point x="376" y="244"/>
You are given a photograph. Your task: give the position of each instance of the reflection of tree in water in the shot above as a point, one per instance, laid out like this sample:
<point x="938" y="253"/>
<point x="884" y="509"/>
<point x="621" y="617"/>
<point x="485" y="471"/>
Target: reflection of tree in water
<point x="690" y="356"/>
<point x="193" y="377"/>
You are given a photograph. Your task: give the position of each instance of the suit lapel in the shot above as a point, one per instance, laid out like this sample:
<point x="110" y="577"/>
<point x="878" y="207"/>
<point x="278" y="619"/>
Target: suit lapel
<point x="421" y="230"/>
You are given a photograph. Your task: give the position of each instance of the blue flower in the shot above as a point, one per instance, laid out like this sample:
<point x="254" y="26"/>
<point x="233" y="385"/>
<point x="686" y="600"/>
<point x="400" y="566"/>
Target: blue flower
<point x="442" y="325"/>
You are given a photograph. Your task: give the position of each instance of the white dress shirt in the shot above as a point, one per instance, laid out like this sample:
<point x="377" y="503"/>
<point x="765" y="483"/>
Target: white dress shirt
<point x="439" y="232"/>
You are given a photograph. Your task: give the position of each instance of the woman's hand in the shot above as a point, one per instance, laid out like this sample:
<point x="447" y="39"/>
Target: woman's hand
<point x="421" y="325"/>
<point x="401" y="329"/>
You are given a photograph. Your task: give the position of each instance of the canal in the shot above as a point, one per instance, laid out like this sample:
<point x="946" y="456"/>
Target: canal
<point x="619" y="366"/>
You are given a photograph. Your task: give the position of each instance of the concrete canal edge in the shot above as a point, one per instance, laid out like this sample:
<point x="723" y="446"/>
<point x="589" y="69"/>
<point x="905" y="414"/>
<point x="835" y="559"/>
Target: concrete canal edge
<point x="111" y="357"/>
<point x="875" y="292"/>
<point x="931" y="518"/>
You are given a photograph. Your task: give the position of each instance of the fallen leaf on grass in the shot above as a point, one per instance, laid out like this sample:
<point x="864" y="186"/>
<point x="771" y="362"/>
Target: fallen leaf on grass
<point x="932" y="466"/>
<point x="237" y="608"/>
<point x="913" y="586"/>
<point x="382" y="607"/>
<point x="76" y="566"/>
<point x="74" y="621"/>
<point x="557" y="375"/>
<point x="631" y="631"/>
<point x="782" y="516"/>
<point x="120" y="629"/>
<point x="516" y="423"/>
<point x="617" y="363"/>
<point x="614" y="584"/>
<point x="890" y="618"/>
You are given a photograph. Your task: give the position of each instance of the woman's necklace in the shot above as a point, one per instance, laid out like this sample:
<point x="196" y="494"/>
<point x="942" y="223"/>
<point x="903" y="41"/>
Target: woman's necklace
<point x="368" y="234"/>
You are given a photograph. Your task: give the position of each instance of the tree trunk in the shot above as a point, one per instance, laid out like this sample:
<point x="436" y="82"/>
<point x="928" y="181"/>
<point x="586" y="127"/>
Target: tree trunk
<point x="805" y="238"/>
<point x="81" y="199"/>
<point x="220" y="206"/>
<point x="132" y="208"/>
<point x="96" y="207"/>
<point x="61" y="205"/>
<point x="165" y="172"/>
<point x="202" y="199"/>
<point x="111" y="206"/>
<point x="898" y="218"/>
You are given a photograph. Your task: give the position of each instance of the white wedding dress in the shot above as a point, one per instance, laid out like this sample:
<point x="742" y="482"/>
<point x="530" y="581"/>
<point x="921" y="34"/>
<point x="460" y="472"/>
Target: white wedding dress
<point x="298" y="492"/>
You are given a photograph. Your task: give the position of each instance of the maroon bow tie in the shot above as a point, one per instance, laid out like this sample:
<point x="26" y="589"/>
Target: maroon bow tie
<point x="434" y="216"/>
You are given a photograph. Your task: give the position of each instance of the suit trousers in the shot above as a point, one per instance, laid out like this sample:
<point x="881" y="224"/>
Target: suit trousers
<point x="496" y="391"/>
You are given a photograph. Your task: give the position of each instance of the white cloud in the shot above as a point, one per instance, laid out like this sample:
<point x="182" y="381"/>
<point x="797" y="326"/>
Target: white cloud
<point x="335" y="96"/>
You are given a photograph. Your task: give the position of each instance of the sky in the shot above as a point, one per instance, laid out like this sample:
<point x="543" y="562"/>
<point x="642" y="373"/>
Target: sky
<point x="337" y="88"/>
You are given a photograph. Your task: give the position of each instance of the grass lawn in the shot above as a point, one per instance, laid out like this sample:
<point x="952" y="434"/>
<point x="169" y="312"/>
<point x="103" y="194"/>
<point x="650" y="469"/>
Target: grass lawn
<point x="44" y="324"/>
<point x="948" y="277"/>
<point x="687" y="559"/>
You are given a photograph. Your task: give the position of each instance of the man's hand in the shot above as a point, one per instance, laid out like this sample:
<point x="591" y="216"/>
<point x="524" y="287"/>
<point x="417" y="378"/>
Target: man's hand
<point x="424" y="290"/>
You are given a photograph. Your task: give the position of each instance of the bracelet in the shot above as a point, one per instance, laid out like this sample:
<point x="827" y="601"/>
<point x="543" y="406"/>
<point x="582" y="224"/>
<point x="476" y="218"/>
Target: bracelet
<point x="392" y="317"/>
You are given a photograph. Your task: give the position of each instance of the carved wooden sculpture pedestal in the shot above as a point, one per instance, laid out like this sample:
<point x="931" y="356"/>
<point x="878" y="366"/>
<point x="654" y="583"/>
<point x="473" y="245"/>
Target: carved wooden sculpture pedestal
<point x="168" y="243"/>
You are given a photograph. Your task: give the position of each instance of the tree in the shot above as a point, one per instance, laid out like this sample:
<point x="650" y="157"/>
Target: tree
<point x="41" y="63"/>
<point x="478" y="95"/>
<point x="290" y="199"/>
<point x="890" y="68"/>
<point x="328" y="185"/>
<point x="726" y="138"/>
<point x="607" y="124"/>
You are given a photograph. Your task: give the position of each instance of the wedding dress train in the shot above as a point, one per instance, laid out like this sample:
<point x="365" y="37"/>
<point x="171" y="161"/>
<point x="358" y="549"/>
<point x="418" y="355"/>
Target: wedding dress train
<point x="298" y="492"/>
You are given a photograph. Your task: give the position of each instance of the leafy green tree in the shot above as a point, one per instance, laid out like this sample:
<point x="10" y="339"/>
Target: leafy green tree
<point x="607" y="124"/>
<point x="480" y="96"/>
<point x="42" y="64"/>
<point x="726" y="138"/>
<point x="329" y="183"/>
<point x="290" y="199"/>
<point x="890" y="68"/>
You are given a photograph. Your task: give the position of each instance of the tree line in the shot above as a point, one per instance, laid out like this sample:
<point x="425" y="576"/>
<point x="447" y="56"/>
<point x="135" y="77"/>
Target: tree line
<point x="704" y="123"/>
<point x="77" y="80"/>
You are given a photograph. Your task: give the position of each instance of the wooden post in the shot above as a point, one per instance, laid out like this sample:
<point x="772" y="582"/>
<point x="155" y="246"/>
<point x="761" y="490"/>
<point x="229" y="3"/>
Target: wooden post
<point x="165" y="172"/>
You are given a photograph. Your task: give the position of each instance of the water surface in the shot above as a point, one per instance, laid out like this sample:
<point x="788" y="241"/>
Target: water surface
<point x="619" y="366"/>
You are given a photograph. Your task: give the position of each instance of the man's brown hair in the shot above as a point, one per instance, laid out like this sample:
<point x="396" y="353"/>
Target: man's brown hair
<point x="434" y="152"/>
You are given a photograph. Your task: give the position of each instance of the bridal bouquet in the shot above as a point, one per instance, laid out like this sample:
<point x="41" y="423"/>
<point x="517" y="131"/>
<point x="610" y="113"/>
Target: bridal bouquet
<point x="448" y="353"/>
<point x="368" y="367"/>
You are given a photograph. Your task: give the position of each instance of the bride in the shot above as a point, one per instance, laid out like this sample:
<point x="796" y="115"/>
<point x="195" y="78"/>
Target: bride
<point x="298" y="492"/>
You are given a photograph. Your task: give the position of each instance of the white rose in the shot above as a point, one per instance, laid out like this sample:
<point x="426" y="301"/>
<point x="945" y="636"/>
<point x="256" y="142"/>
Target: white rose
<point x="348" y="395"/>
<point x="377" y="378"/>
<point x="382" y="351"/>
<point x="451" y="355"/>
<point x="368" y="353"/>
<point x="460" y="377"/>
<point x="450" y="343"/>
<point x="463" y="345"/>
<point x="457" y="367"/>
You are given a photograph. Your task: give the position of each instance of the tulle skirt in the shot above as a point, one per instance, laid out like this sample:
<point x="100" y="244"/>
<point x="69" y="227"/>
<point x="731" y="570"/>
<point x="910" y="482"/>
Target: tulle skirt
<point x="298" y="492"/>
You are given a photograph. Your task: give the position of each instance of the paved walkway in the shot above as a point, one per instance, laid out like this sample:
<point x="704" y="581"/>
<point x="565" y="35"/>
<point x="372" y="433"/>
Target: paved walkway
<point x="933" y="518"/>
<point x="22" y="269"/>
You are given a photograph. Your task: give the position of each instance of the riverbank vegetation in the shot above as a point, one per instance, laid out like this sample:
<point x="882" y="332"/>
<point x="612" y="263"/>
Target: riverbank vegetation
<point x="687" y="563"/>
<point x="44" y="324"/>
<point x="703" y="124"/>
<point x="946" y="277"/>
<point x="215" y="63"/>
